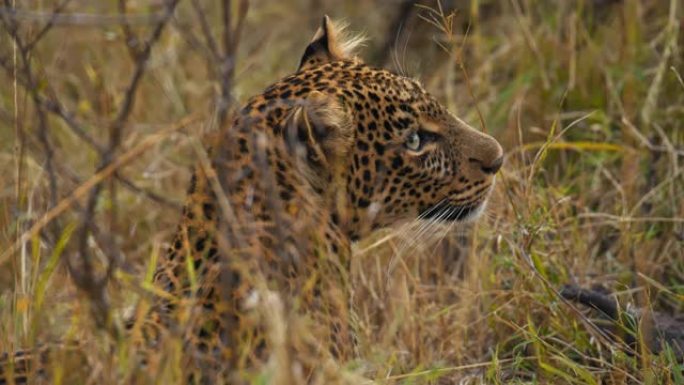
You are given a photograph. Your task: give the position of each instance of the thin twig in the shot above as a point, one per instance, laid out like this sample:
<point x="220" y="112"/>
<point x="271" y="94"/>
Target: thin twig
<point x="80" y="19"/>
<point x="48" y="26"/>
<point x="231" y="41"/>
<point x="53" y="106"/>
<point x="84" y="277"/>
<point x="24" y="54"/>
<point x="132" y="41"/>
<point x="206" y="30"/>
<point x="671" y="32"/>
<point x="162" y="200"/>
<point x="78" y="193"/>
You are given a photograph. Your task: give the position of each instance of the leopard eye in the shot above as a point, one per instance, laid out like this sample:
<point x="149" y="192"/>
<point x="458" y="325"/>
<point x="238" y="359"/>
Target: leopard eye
<point x="413" y="142"/>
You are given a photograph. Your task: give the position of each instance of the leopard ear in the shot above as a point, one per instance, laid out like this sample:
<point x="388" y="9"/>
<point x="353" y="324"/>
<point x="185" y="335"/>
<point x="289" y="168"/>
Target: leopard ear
<point x="320" y="133"/>
<point x="330" y="43"/>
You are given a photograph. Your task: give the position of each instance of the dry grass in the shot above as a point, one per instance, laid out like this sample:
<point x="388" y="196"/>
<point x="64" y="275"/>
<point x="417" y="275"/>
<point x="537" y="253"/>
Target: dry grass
<point x="586" y="97"/>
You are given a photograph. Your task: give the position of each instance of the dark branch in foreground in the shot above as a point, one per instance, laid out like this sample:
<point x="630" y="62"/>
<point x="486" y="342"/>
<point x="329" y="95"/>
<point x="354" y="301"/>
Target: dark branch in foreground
<point x="55" y="107"/>
<point x="220" y="51"/>
<point x="656" y="329"/>
<point x="85" y="277"/>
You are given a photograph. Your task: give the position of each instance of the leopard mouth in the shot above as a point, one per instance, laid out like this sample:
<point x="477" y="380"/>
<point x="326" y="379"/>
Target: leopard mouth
<point x="448" y="212"/>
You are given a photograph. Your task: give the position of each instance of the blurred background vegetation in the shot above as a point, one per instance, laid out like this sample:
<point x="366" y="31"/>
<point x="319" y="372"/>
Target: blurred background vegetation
<point x="102" y="103"/>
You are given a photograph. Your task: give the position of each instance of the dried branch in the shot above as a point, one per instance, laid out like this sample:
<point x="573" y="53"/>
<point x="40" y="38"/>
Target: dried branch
<point x="12" y="29"/>
<point x="132" y="41"/>
<point x="79" y="19"/>
<point x="231" y="41"/>
<point x="48" y="151"/>
<point x="206" y="31"/>
<point x="83" y="189"/>
<point x="85" y="277"/>
<point x="54" y="106"/>
<point x="50" y="23"/>
<point x="196" y="44"/>
<point x="162" y="200"/>
<point x="221" y="56"/>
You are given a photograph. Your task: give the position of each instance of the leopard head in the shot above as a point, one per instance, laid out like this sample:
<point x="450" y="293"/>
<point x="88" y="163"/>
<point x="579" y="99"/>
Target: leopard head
<point x="380" y="147"/>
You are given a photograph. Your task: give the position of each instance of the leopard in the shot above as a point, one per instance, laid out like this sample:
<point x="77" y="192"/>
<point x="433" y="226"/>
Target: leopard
<point x="320" y="159"/>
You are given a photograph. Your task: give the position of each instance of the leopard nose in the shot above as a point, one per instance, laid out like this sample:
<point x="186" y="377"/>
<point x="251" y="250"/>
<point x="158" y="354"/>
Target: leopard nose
<point x="483" y="153"/>
<point x="489" y="168"/>
<point x="491" y="160"/>
<point x="493" y="167"/>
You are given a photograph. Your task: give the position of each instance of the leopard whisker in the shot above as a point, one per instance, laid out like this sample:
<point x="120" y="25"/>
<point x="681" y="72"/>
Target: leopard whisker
<point x="427" y="225"/>
<point x="416" y="226"/>
<point x="424" y="226"/>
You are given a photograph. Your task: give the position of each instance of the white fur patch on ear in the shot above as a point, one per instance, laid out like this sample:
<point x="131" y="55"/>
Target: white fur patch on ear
<point x="342" y="43"/>
<point x="330" y="43"/>
<point x="328" y="123"/>
<point x="319" y="131"/>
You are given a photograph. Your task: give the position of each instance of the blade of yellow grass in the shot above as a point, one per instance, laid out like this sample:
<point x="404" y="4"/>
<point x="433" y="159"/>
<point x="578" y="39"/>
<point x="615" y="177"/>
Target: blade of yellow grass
<point x="540" y="347"/>
<point x="44" y="277"/>
<point x="558" y="373"/>
<point x="584" y="374"/>
<point x="654" y="91"/>
<point x="532" y="337"/>
<point x="660" y="286"/>
<point x="389" y="379"/>
<point x="192" y="275"/>
<point x="576" y="146"/>
<point x="539" y="265"/>
<point x="551" y="140"/>
<point x="152" y="266"/>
